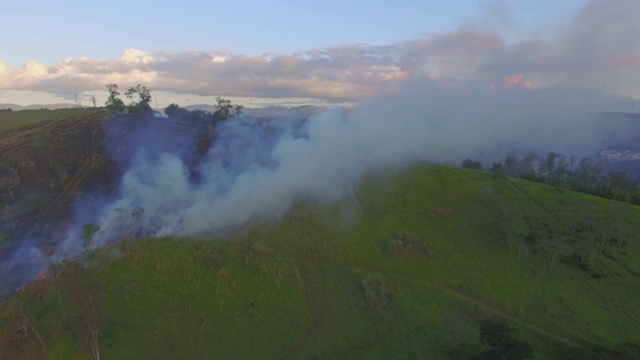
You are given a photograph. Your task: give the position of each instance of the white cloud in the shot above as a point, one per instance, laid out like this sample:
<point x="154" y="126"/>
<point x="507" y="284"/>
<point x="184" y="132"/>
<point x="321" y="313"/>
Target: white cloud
<point x="136" y="56"/>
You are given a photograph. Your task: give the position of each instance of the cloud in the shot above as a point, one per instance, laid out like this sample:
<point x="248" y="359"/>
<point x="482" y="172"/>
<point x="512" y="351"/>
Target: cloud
<point x="597" y="50"/>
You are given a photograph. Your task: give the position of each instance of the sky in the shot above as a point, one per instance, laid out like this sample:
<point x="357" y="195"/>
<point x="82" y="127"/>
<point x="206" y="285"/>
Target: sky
<point x="313" y="52"/>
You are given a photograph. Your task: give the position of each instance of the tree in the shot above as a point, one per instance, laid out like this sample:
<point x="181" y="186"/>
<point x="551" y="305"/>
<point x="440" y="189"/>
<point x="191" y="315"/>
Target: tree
<point x="512" y="165"/>
<point x="10" y="183"/>
<point x="143" y="97"/>
<point x="471" y="164"/>
<point x="499" y="171"/>
<point x="48" y="251"/>
<point x="225" y="110"/>
<point x="557" y="250"/>
<point x="20" y="338"/>
<point x="549" y="163"/>
<point x="497" y="335"/>
<point x="88" y="230"/>
<point x="93" y="100"/>
<point x="26" y="327"/>
<point x="114" y="103"/>
<point x="129" y="224"/>
<point x="587" y="174"/>
<point x="519" y="246"/>
<point x="462" y="332"/>
<point x="528" y="164"/>
<point x="88" y="312"/>
<point x="175" y="111"/>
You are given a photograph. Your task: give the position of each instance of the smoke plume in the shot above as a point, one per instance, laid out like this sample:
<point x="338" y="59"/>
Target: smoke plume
<point x="255" y="169"/>
<point x="441" y="99"/>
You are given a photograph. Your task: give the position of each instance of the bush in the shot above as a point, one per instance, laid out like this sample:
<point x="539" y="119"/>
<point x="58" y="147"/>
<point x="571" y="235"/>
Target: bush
<point x="497" y="335"/>
<point x="378" y="294"/>
<point x="499" y="171"/>
<point x="471" y="164"/>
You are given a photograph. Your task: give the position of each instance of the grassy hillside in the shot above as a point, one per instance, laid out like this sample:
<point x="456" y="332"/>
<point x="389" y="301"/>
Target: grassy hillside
<point x="412" y="266"/>
<point x="47" y="157"/>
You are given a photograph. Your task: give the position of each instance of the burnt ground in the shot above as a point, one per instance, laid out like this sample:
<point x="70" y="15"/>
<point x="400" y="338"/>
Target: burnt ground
<point x="49" y="165"/>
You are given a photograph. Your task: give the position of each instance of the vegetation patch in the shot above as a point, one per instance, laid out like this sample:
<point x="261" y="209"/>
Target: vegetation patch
<point x="377" y="293"/>
<point x="404" y="245"/>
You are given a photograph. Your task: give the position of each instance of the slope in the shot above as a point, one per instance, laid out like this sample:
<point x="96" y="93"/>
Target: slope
<point x="47" y="158"/>
<point x="413" y="265"/>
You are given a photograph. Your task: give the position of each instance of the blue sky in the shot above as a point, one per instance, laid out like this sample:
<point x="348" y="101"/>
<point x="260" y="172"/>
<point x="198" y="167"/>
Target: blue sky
<point x="49" y="47"/>
<point x="53" y="30"/>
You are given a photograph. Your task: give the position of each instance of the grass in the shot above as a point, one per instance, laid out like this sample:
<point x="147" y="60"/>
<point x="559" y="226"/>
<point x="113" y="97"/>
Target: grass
<point x="14" y="120"/>
<point x="53" y="155"/>
<point x="375" y="276"/>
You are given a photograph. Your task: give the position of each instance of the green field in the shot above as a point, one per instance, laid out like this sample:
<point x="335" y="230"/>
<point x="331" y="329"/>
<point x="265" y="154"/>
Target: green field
<point x="411" y="266"/>
<point x="14" y="120"/>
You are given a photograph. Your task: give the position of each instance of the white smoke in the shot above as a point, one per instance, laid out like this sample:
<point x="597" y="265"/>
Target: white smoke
<point x="257" y="170"/>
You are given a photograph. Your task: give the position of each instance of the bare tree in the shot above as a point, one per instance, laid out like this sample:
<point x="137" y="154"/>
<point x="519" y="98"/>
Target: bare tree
<point x="93" y="100"/>
<point x="557" y="250"/>
<point x="10" y="182"/>
<point x="89" y="312"/>
<point x="519" y="246"/>
<point x="612" y="229"/>
<point x="6" y="213"/>
<point x="56" y="280"/>
<point x="461" y="330"/>
<point x="129" y="223"/>
<point x="88" y="230"/>
<point x="114" y="103"/>
<point x="25" y="327"/>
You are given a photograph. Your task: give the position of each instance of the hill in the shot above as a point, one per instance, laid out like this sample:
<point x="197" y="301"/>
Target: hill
<point x="429" y="262"/>
<point x="58" y="106"/>
<point x="426" y="261"/>
<point x="47" y="158"/>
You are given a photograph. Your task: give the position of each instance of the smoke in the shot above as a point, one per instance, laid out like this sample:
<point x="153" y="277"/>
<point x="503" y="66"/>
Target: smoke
<point x="26" y="262"/>
<point x="256" y="169"/>
<point x="518" y="99"/>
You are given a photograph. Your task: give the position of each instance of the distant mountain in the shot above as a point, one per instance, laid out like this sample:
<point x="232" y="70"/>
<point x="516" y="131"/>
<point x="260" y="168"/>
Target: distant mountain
<point x="16" y="107"/>
<point x="13" y="107"/>
<point x="271" y="111"/>
<point x="298" y="112"/>
<point x="274" y="111"/>
<point x="204" y="107"/>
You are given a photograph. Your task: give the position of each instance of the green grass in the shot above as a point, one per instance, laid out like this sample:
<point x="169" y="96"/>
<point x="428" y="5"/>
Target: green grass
<point x="14" y="120"/>
<point x="375" y="276"/>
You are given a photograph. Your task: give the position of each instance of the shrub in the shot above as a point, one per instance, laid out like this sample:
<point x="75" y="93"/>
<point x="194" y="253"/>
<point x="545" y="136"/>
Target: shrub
<point x="471" y="164"/>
